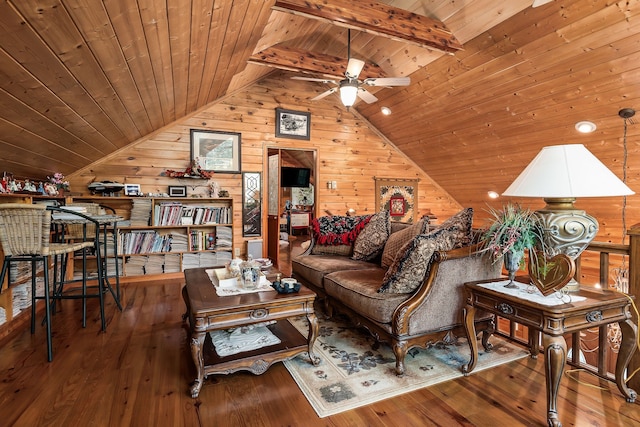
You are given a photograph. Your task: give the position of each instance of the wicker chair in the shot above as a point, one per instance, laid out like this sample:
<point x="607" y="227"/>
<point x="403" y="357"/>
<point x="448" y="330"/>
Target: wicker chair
<point x="25" y="233"/>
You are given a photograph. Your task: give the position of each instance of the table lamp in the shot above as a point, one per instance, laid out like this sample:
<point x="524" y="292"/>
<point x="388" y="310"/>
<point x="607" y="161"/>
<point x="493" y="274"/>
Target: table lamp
<point x="559" y="174"/>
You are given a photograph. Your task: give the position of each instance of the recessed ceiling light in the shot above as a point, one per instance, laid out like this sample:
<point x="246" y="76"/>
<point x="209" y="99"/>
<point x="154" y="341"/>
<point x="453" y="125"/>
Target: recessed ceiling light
<point x="493" y="194"/>
<point x="386" y="110"/>
<point x="585" y="127"/>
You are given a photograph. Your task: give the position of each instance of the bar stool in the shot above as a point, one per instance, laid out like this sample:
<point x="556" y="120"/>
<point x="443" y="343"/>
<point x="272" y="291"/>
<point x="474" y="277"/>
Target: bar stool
<point x="25" y="232"/>
<point x="106" y="225"/>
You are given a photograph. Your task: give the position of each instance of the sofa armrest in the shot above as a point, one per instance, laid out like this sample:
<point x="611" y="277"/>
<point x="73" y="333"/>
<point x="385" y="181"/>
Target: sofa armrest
<point x="447" y="288"/>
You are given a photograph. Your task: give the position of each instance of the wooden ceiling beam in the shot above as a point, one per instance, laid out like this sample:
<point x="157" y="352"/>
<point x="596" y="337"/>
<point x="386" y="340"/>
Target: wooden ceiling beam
<point x="288" y="58"/>
<point x="376" y="18"/>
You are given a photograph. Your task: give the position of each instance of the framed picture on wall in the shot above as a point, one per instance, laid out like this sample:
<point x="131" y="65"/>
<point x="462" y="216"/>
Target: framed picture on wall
<point x="293" y="124"/>
<point x="216" y="151"/>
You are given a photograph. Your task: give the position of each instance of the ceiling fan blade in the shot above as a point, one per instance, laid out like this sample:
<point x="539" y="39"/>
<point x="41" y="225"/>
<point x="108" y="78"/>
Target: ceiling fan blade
<point x="366" y="96"/>
<point x="388" y="81"/>
<point x="354" y="67"/>
<point x="323" y="94"/>
<point x="537" y="3"/>
<point x="313" y="79"/>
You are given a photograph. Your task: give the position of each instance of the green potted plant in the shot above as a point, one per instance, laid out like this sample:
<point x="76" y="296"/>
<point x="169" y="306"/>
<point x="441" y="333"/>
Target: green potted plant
<point x="513" y="230"/>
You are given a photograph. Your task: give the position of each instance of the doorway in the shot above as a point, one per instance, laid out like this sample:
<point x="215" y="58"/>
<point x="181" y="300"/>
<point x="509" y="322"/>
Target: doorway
<point x="291" y="197"/>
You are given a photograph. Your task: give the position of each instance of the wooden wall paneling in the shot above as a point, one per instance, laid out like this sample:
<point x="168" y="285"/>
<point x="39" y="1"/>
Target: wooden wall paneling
<point x="358" y="149"/>
<point x="44" y="80"/>
<point x="179" y="21"/>
<point x="29" y="139"/>
<point x="202" y="17"/>
<point x="22" y="116"/>
<point x="257" y="16"/>
<point x="71" y="52"/>
<point x="126" y="20"/>
<point x="224" y="19"/>
<point x="153" y="14"/>
<point x="103" y="42"/>
<point x="480" y="14"/>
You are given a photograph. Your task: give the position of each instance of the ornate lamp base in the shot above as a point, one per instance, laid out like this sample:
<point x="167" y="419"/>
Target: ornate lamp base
<point x="567" y="230"/>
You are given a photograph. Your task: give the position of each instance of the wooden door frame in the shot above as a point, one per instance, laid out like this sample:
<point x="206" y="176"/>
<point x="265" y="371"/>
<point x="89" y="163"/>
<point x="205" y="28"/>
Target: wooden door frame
<point x="271" y="150"/>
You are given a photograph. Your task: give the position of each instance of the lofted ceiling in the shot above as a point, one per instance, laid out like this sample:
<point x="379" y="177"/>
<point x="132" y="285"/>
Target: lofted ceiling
<point x="81" y="79"/>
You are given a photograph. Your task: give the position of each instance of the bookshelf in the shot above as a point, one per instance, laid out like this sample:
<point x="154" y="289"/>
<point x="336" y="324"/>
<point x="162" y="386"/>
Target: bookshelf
<point x="169" y="235"/>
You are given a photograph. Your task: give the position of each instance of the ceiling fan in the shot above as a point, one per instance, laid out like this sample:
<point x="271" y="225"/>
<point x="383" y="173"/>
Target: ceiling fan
<point x="350" y="87"/>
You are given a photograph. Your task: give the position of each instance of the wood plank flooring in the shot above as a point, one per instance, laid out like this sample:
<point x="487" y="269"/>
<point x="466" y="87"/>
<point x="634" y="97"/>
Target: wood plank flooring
<point x="137" y="374"/>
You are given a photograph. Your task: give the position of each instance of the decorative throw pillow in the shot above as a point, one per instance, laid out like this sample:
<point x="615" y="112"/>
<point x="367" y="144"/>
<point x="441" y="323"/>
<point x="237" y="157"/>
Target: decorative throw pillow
<point x="370" y="242"/>
<point x="414" y="261"/>
<point x="397" y="240"/>
<point x="338" y="230"/>
<point x="461" y="224"/>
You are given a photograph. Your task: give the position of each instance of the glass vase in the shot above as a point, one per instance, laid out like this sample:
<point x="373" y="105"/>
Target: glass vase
<point x="512" y="260"/>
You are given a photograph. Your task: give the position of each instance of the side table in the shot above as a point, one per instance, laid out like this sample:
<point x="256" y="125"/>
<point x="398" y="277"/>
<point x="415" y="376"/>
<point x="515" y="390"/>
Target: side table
<point x="554" y="321"/>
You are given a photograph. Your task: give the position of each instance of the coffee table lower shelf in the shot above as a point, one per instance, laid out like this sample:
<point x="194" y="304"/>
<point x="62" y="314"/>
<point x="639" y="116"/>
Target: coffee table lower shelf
<point x="256" y="361"/>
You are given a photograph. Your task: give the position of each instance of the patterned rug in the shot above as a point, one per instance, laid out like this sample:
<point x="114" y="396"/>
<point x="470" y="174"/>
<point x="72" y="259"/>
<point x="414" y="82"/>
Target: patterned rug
<point x="351" y="374"/>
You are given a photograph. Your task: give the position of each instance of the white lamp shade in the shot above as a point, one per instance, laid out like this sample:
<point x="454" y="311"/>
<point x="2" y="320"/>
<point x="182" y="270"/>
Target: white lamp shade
<point x="564" y="171"/>
<point x="348" y="94"/>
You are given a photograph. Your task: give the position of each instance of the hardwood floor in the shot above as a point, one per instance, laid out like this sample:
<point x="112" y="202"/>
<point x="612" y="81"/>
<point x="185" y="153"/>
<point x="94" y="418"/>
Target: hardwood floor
<point x="137" y="374"/>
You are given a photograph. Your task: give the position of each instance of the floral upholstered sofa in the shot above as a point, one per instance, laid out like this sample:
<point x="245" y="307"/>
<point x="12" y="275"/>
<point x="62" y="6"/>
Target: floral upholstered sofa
<point x="402" y="282"/>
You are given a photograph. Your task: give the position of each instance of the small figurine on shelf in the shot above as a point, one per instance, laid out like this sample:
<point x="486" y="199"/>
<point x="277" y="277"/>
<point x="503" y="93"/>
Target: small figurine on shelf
<point x="29" y="186"/>
<point x="59" y="181"/>
<point x="214" y="189"/>
<point x="223" y="193"/>
<point x="50" y="188"/>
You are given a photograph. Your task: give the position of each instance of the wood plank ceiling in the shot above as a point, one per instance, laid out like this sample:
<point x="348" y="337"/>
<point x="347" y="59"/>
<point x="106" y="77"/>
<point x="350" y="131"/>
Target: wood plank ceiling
<point x="81" y="79"/>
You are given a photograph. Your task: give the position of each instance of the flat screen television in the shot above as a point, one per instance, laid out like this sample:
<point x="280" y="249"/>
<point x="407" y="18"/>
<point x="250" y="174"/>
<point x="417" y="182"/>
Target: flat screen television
<point x="294" y="177"/>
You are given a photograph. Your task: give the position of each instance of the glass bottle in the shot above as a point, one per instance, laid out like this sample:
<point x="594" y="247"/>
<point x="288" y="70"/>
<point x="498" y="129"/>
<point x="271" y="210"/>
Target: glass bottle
<point x="249" y="273"/>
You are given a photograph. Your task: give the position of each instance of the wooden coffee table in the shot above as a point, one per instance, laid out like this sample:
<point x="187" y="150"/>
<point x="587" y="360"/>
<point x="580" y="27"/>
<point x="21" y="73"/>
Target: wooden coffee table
<point x="207" y="312"/>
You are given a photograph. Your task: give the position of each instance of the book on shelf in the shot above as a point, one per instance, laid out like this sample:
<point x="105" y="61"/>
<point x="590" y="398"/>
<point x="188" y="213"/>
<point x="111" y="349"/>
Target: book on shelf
<point x="175" y="213"/>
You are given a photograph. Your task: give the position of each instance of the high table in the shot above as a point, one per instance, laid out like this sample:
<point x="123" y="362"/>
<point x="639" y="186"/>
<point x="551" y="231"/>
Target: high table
<point x="102" y="224"/>
<point x="596" y="308"/>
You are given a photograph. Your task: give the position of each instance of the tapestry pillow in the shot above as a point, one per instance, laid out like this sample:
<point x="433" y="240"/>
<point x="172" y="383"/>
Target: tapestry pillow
<point x="397" y="240"/>
<point x="414" y="261"/>
<point x="460" y="223"/>
<point x="338" y="230"/>
<point x="370" y="242"/>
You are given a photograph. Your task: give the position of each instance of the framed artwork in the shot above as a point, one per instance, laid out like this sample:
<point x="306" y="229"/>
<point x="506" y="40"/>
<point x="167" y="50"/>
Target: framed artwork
<point x="251" y="204"/>
<point x="132" y="190"/>
<point x="177" y="191"/>
<point x="216" y="151"/>
<point x="293" y="124"/>
<point x="398" y="196"/>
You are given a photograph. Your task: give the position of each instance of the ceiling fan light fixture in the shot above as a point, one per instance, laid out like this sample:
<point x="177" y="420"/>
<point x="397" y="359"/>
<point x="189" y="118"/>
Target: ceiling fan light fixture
<point x="348" y="92"/>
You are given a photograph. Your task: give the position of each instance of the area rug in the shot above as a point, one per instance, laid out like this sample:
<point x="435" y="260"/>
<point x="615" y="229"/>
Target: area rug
<point x="351" y="374"/>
